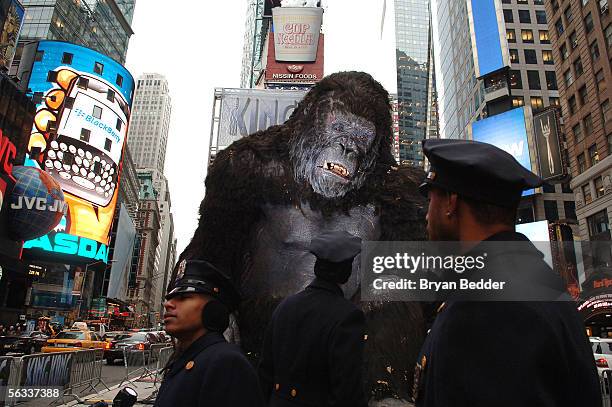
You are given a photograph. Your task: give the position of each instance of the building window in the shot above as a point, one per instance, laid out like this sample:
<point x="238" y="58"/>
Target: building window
<point x="568" y="15"/>
<point x="588" y="124"/>
<point x="533" y="78"/>
<point x="508" y="17"/>
<point x="108" y="144"/>
<point x="571" y="104"/>
<point x="67" y="58"/>
<point x="521" y="2"/>
<point x="583" y="96"/>
<point x="559" y="26"/>
<point x="547" y="57"/>
<point x="555" y="5"/>
<point x="581" y="163"/>
<point x="511" y="36"/>
<point x="97" y="112"/>
<point x="527" y="36"/>
<point x="110" y="95"/>
<point x="588" y="23"/>
<point x="568" y="78"/>
<point x="599" y="225"/>
<point x="577" y="130"/>
<point x="85" y="135"/>
<point x="609" y="144"/>
<point x="506" y="2"/>
<point x="600" y="80"/>
<point x="593" y="155"/>
<point x="578" y="67"/>
<point x="39" y="55"/>
<point x="119" y="124"/>
<point x="550" y="211"/>
<point x="594" y="50"/>
<point x="98" y="68"/>
<point x="518" y="101"/>
<point x="554" y="101"/>
<point x="538" y="2"/>
<point x="570" y="209"/>
<point x="536" y="103"/>
<point x="551" y="80"/>
<point x="544" y="37"/>
<point x="573" y="39"/>
<point x="608" y="34"/>
<point x="515" y="80"/>
<point x="530" y="56"/>
<point x="563" y="51"/>
<point x="514" y="56"/>
<point x="541" y="16"/>
<point x="586" y="191"/>
<point x="599" y="187"/>
<point x="603" y="6"/>
<point x="524" y="17"/>
<point x="119" y="80"/>
<point x="605" y="113"/>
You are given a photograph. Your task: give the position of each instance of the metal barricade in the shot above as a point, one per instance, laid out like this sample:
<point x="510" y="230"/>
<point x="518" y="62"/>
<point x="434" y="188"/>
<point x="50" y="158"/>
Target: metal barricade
<point x="9" y="369"/>
<point x="86" y="372"/>
<point x="165" y="354"/>
<point x="605" y="380"/>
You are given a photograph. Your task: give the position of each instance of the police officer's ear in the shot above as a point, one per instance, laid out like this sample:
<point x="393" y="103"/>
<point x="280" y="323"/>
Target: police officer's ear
<point x="215" y="316"/>
<point x="451" y="204"/>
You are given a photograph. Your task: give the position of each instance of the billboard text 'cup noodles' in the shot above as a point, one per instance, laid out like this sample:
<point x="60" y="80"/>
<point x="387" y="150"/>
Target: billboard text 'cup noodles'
<point x="296" y="33"/>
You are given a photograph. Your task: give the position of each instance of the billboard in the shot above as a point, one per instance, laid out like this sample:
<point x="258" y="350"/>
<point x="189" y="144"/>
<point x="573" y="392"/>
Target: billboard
<point x="547" y="143"/>
<point x="245" y="111"/>
<point x="507" y="131"/>
<point x="296" y="33"/>
<point x="489" y="44"/>
<point x="292" y="73"/>
<point x="11" y="20"/>
<point x="78" y="137"/>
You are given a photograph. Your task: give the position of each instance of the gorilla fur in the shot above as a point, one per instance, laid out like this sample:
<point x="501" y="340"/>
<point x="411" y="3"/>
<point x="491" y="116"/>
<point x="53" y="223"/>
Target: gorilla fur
<point x="281" y="167"/>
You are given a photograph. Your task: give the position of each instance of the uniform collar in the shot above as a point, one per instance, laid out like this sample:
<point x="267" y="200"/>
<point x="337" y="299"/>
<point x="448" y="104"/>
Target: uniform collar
<point x="194" y="349"/>
<point x="321" y="284"/>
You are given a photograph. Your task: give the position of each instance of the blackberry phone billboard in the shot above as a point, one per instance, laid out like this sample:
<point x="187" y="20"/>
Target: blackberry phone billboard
<point x="78" y="137"/>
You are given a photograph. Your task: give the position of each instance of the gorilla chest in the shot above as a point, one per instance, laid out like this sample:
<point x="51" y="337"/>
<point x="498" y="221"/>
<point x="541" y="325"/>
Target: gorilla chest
<point x="279" y="262"/>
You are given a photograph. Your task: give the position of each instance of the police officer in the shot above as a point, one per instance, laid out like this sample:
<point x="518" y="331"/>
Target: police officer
<point x="313" y="349"/>
<point x="497" y="353"/>
<point x="205" y="370"/>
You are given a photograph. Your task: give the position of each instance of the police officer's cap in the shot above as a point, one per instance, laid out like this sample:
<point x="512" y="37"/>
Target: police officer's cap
<point x="476" y="170"/>
<point x="201" y="277"/>
<point x="336" y="246"/>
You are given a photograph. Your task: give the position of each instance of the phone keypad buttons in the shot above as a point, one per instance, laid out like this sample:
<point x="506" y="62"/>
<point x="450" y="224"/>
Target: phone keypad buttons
<point x="52" y="155"/>
<point x="54" y="145"/>
<point x="72" y="149"/>
<point x="63" y="146"/>
<point x="83" y="182"/>
<point x="81" y="152"/>
<point x="57" y="165"/>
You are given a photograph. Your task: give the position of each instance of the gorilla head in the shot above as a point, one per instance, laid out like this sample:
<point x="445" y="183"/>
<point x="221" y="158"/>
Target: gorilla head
<point x="342" y="131"/>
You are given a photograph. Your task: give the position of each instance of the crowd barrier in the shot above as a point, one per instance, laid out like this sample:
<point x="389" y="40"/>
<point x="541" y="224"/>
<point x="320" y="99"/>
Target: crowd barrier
<point x="605" y="380"/>
<point x="74" y="372"/>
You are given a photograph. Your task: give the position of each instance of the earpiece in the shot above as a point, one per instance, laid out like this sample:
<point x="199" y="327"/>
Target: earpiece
<point x="215" y="316"/>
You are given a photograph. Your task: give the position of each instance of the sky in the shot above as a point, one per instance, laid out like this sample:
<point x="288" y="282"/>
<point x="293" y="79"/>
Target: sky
<point x="198" y="45"/>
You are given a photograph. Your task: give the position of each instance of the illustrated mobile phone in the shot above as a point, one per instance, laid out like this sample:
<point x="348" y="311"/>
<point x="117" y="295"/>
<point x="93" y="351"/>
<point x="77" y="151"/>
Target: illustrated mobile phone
<point x="92" y="127"/>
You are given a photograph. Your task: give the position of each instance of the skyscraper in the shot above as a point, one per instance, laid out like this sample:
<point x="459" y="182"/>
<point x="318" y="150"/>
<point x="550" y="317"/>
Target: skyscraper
<point x="254" y="35"/>
<point x="103" y="25"/>
<point x="414" y="77"/>
<point x="148" y="133"/>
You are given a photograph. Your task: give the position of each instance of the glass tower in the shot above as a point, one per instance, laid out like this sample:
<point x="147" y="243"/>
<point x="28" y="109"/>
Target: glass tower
<point x="415" y="90"/>
<point x="103" y="25"/>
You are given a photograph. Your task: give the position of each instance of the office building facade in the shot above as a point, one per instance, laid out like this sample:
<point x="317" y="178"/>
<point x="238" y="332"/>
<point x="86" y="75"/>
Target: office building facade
<point x="150" y="122"/>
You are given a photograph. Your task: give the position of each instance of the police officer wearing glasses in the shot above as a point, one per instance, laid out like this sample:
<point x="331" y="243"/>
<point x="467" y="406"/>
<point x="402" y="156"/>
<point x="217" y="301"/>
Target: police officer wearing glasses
<point x="205" y="370"/>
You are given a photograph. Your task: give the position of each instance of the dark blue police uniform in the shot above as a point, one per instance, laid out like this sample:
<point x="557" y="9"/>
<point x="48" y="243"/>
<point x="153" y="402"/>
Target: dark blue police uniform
<point x="494" y="353"/>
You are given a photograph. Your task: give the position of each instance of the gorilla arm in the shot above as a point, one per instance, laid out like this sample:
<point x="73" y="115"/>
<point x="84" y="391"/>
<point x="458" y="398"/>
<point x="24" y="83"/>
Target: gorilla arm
<point x="396" y="330"/>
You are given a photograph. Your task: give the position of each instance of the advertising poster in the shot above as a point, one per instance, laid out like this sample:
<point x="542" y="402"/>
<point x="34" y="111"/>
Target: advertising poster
<point x="507" y="131"/>
<point x="78" y="137"/>
<point x="547" y="142"/>
<point x="11" y="20"/>
<point x="489" y="44"/>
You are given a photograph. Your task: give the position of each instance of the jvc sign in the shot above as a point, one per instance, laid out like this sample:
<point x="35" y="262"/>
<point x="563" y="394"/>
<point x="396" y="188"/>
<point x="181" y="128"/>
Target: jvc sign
<point x="246" y="111"/>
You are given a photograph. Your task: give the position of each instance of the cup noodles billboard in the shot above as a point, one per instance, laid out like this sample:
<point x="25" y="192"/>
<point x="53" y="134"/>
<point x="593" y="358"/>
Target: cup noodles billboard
<point x="78" y="137"/>
<point x="296" y="33"/>
<point x="294" y="72"/>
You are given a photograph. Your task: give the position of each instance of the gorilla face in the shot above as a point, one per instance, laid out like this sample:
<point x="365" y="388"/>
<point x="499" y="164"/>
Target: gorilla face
<point x="342" y="156"/>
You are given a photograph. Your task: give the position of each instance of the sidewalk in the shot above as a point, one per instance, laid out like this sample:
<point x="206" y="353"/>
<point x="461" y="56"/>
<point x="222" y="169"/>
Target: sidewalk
<point x="145" y="391"/>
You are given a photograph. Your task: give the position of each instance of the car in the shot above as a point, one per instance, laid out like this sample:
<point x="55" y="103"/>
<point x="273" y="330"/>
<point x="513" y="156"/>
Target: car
<point x="602" y="351"/>
<point x="26" y="343"/>
<point x="72" y="340"/>
<point x="136" y="341"/>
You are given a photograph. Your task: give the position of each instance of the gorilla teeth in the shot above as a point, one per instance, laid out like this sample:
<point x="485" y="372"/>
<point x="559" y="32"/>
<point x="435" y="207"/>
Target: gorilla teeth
<point x="337" y="169"/>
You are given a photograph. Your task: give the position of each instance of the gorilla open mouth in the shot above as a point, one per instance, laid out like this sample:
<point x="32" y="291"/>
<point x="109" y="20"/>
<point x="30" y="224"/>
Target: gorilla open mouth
<point x="337" y="169"/>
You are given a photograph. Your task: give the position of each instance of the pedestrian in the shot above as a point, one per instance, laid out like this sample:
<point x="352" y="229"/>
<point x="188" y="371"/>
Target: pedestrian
<point x="497" y="353"/>
<point x="205" y="370"/>
<point x="2" y="330"/>
<point x="313" y="347"/>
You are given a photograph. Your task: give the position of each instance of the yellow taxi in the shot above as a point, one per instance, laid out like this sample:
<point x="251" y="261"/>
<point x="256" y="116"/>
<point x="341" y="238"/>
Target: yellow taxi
<point x="74" y="339"/>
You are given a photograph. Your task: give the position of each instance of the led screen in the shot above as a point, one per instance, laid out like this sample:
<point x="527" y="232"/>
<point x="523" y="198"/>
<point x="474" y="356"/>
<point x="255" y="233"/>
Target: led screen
<point x="488" y="45"/>
<point x="11" y="20"/>
<point x="78" y="137"/>
<point x="507" y="131"/>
